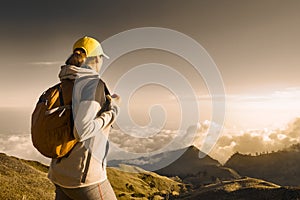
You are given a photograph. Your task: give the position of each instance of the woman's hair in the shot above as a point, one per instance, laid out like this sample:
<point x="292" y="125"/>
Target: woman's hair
<point x="77" y="58"/>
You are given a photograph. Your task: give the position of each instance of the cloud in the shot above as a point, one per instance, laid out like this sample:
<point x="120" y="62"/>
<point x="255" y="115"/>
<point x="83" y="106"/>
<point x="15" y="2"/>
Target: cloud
<point x="165" y="139"/>
<point x="287" y="93"/>
<point x="20" y="145"/>
<point x="46" y="63"/>
<point x="252" y="141"/>
<point x="230" y="141"/>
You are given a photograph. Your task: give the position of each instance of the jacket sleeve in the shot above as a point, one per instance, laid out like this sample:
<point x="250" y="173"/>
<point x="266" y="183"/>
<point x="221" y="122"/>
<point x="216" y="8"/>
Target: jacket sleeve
<point x="87" y="124"/>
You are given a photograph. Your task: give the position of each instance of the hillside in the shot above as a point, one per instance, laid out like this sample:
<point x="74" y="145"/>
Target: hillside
<point x="142" y="184"/>
<point x="282" y="167"/>
<point x="243" y="189"/>
<point x="21" y="179"/>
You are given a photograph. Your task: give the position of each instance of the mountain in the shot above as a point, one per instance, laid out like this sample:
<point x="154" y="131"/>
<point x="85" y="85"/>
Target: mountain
<point x="197" y="171"/>
<point x="282" y="167"/>
<point x="189" y="167"/>
<point x="190" y="154"/>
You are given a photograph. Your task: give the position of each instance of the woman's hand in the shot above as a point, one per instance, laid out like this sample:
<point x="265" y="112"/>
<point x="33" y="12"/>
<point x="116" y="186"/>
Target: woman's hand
<point x="115" y="99"/>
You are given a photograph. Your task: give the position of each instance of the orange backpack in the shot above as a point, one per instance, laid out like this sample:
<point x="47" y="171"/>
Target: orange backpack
<point x="52" y="121"/>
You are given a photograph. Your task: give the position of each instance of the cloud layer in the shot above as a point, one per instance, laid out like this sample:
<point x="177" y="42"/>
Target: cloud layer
<point x="20" y="145"/>
<point x="256" y="141"/>
<point x="231" y="141"/>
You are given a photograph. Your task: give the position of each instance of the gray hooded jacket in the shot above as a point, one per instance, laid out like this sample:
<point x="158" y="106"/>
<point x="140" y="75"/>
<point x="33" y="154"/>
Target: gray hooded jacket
<point x="86" y="163"/>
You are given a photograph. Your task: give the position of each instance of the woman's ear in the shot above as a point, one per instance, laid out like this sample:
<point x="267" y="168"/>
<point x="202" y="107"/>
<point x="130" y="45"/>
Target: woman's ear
<point x="97" y="59"/>
<point x="91" y="60"/>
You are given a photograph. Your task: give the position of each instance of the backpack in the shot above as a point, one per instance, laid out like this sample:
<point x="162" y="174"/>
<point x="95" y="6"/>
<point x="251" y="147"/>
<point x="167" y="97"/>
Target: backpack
<point x="52" y="121"/>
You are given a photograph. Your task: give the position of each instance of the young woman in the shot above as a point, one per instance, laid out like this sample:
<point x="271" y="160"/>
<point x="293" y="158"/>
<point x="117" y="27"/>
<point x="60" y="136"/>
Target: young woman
<point x="82" y="174"/>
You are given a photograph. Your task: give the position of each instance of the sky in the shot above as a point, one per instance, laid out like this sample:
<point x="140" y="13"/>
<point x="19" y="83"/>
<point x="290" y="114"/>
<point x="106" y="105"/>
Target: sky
<point x="254" y="44"/>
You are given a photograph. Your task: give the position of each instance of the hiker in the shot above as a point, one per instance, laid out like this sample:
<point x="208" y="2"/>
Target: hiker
<point x="81" y="175"/>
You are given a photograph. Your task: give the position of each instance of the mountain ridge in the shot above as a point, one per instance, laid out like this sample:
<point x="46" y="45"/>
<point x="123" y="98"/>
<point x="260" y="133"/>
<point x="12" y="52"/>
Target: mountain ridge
<point x="281" y="167"/>
<point x="192" y="166"/>
<point x="165" y="158"/>
<point x="23" y="179"/>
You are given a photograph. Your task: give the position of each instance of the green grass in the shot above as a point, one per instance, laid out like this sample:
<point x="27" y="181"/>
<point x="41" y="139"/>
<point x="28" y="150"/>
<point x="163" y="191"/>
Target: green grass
<point x="23" y="180"/>
<point x="143" y="185"/>
<point x="20" y="180"/>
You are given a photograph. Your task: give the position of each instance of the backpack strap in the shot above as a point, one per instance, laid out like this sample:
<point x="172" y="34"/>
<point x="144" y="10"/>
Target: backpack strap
<point x="61" y="98"/>
<point x="105" y="154"/>
<point x="60" y="108"/>
<point x="87" y="165"/>
<point x="67" y="86"/>
<point x="106" y="92"/>
<point x="88" y="160"/>
<point x="105" y="106"/>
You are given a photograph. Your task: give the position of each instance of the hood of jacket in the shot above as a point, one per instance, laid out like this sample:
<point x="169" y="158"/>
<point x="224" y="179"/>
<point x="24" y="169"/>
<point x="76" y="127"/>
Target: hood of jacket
<point x="73" y="72"/>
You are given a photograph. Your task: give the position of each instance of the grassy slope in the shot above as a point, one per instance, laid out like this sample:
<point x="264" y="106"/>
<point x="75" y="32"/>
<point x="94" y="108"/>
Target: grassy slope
<point x="243" y="189"/>
<point x="21" y="179"/>
<point x="140" y="184"/>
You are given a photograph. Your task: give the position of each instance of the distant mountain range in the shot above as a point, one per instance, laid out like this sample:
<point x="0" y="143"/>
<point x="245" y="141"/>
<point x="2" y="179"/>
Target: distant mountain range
<point x="282" y="167"/>
<point x="198" y="171"/>
<point x="188" y="178"/>
<point x="188" y="167"/>
<point x="190" y="154"/>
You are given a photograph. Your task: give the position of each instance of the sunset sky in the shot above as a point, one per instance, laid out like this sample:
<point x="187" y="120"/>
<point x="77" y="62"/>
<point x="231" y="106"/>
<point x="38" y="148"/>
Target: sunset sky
<point x="254" y="43"/>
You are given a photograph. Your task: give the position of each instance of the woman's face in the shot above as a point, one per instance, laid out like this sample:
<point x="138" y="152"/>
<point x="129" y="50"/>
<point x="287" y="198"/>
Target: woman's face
<point x="98" y="63"/>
